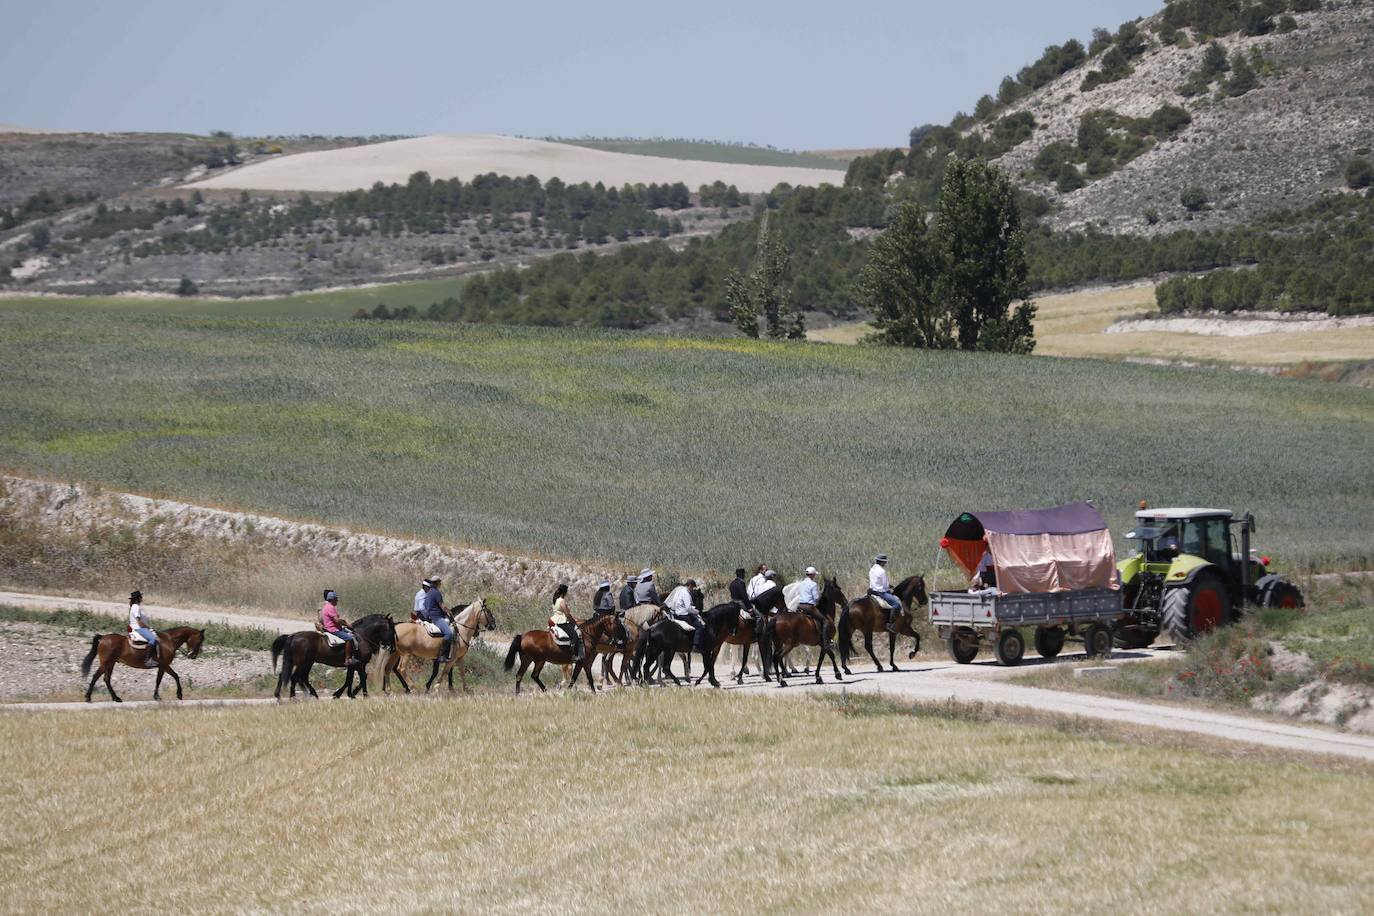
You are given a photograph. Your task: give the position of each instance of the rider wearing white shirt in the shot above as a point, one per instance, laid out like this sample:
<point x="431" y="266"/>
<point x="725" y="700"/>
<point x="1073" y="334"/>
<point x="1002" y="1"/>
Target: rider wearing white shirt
<point x="681" y="605"/>
<point x="138" y="623"/>
<point x="760" y="583"/>
<point x="880" y="588"/>
<point x="418" y="606"/>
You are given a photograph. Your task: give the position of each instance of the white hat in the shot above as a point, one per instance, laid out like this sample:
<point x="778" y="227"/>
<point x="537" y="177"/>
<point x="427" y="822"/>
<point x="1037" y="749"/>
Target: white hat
<point x="645" y="574"/>
<point x="604" y="584"/>
<point x="810" y="570"/>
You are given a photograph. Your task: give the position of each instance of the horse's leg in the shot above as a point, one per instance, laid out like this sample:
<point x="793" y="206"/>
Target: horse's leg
<point x="433" y="675"/>
<point x="868" y="647"/>
<point x="176" y="679"/>
<point x="348" y="682"/>
<point x="305" y="679"/>
<point x="892" y="651"/>
<point x="109" y="670"/>
<point x="450" y="676"/>
<point x="94" y="677"/>
<point x="362" y="682"/>
<point x="400" y="676"/>
<point x="667" y="664"/>
<point x="157" y="683"/>
<point x="743" y="664"/>
<point x="519" y="675"/>
<point x="534" y="676"/>
<point x="462" y="676"/>
<point x="587" y="670"/>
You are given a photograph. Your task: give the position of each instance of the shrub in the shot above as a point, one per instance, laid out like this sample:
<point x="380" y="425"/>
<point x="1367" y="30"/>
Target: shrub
<point x="1070" y="179"/>
<point x="187" y="287"/>
<point x="1359" y="173"/>
<point x="1287" y="24"/>
<point x="1152" y="216"/>
<point x="1193" y="199"/>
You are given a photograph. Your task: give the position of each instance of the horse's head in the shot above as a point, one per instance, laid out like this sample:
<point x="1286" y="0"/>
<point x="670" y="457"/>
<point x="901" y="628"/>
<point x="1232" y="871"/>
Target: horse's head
<point x="194" y="642"/>
<point x="486" y="617"/>
<point x="912" y="590"/>
<point x="833" y="594"/>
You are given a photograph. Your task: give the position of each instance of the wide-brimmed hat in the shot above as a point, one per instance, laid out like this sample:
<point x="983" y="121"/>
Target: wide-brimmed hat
<point x="880" y="558"/>
<point x="135" y="595"/>
<point x="604" y="584"/>
<point x="645" y="574"/>
<point x="427" y="583"/>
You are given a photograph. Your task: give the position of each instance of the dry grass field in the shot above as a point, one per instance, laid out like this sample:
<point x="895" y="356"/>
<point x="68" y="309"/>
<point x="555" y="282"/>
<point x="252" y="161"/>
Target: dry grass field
<point x="1073" y="324"/>
<point x="657" y="801"/>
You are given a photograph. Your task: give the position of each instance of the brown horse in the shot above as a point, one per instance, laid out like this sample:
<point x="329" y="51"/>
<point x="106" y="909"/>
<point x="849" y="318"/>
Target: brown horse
<point x="115" y="649"/>
<point x="867" y="615"/>
<point x="301" y="651"/>
<point x="787" y="630"/>
<point x="635" y="621"/>
<point x="538" y="647"/>
<point x="414" y="641"/>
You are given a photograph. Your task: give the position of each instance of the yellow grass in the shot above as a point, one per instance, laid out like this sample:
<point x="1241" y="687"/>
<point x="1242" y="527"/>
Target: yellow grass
<point x="661" y="801"/>
<point x="1073" y="324"/>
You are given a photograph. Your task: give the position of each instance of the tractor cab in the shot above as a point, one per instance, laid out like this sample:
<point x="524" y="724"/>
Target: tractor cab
<point x="1194" y="571"/>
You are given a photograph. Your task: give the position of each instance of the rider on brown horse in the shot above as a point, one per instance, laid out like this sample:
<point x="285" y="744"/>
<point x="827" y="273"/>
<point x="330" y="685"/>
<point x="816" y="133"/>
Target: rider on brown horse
<point x="561" y="621"/>
<point x="881" y="589"/>
<point x="138" y="623"/>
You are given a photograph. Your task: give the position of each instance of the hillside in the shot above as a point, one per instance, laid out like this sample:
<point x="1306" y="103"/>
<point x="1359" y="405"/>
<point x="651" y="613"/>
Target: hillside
<point x="467" y="156"/>
<point x="708" y="151"/>
<point x="690" y="454"/>
<point x="1276" y="146"/>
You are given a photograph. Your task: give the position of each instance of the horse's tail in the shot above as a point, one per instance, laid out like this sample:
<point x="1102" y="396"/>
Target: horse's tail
<point x="514" y="652"/>
<point x="90" y="656"/>
<point x="278" y="647"/>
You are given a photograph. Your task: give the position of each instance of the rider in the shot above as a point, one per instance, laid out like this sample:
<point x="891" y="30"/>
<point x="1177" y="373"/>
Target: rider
<point x="809" y="599"/>
<point x="759" y="584"/>
<point x="879" y="588"/>
<point x="604" y="602"/>
<point x="681" y="604"/>
<point x="739" y="591"/>
<point x="627" y="592"/>
<point x="435" y="612"/>
<point x="336" y="626"/>
<point x="646" y="592"/>
<point x="417" y="608"/>
<point x="560" y="618"/>
<point x="138" y="623"/>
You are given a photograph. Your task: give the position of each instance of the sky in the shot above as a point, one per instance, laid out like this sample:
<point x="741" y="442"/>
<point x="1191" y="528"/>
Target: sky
<point x="797" y="74"/>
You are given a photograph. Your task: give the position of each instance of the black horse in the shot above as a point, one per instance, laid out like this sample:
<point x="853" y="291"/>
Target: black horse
<point x="746" y="633"/>
<point x="661" y="641"/>
<point x="300" y="651"/>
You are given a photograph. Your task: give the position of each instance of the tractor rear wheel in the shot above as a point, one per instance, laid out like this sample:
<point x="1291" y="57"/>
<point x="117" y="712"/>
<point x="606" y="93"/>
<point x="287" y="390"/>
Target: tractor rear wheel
<point x="1284" y="594"/>
<point x="1196" y="608"/>
<point x="1049" y="641"/>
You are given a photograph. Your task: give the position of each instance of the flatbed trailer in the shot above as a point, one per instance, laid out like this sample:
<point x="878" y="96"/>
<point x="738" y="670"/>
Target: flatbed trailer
<point x="967" y="620"/>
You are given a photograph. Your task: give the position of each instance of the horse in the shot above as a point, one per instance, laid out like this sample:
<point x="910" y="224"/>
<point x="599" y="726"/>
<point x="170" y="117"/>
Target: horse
<point x="300" y="651"/>
<point x="635" y="621"/>
<point x="789" y="629"/>
<point x="114" y="648"/>
<point x="414" y="641"/>
<point x="744" y="634"/>
<point x="666" y="638"/>
<point x="615" y="643"/>
<point x="867" y="615"/>
<point x="538" y="647"/>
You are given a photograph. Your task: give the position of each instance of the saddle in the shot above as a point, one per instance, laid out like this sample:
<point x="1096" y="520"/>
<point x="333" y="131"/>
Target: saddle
<point x="431" y="628"/>
<point x="136" y="640"/>
<point x="560" y="636"/>
<point x="331" y="640"/>
<point x="685" y="624"/>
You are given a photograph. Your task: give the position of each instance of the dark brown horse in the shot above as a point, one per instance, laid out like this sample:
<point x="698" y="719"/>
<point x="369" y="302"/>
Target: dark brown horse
<point x="744" y="634"/>
<point x="538" y="647"/>
<point x="301" y="651"/>
<point x="867" y="615"/>
<point x="787" y="630"/>
<point x="115" y="649"/>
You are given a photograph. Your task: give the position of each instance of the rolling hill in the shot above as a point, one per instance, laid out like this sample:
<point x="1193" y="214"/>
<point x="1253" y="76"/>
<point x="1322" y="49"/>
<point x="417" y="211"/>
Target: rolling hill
<point x="467" y="156"/>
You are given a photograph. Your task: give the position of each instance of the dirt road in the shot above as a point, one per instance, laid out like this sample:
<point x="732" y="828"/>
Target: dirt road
<point x="924" y="679"/>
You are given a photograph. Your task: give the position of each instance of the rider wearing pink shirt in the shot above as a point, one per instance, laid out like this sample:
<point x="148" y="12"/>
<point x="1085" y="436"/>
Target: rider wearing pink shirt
<point x="336" y="625"/>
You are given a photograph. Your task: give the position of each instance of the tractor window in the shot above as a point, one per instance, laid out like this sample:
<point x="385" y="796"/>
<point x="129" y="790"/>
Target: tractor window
<point x="1193" y="539"/>
<point x="1218" y="545"/>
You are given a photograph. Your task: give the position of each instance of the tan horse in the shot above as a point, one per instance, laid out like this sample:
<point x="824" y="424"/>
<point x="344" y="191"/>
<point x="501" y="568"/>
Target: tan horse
<point x="414" y="641"/>
<point x="637" y="619"/>
<point x="115" y="649"/>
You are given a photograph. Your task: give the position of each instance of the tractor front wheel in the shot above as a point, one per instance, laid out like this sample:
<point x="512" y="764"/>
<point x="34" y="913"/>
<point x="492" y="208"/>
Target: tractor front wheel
<point x="1283" y="594"/>
<point x="1196" y="608"/>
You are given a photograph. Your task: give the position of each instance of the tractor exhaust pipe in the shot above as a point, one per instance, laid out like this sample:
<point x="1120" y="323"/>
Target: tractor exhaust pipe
<point x="1247" y="524"/>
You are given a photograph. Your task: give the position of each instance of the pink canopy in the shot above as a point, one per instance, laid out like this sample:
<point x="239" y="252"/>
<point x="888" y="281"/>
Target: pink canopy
<point x="1037" y="550"/>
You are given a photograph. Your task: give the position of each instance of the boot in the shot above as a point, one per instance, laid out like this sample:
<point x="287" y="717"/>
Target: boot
<point x="151" y="660"/>
<point x="445" y="651"/>
<point x="892" y="621"/>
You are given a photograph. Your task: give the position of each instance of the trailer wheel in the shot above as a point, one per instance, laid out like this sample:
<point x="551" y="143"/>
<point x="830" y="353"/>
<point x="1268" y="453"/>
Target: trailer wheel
<point x="1011" y="645"/>
<point x="1097" y="641"/>
<point x="963" y="645"/>
<point x="1049" y="641"/>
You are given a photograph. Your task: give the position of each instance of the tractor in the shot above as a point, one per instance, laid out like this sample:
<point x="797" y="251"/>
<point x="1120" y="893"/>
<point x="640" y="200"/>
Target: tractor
<point x="1190" y="576"/>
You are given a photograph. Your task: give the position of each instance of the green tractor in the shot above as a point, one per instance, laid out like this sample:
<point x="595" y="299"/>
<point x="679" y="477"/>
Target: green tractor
<point x="1188" y="577"/>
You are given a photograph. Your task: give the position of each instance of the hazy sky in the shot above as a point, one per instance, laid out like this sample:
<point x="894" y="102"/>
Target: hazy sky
<point x="797" y="74"/>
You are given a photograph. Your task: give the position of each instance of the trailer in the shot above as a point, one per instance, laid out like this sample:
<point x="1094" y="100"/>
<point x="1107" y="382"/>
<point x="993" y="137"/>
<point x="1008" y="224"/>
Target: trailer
<point x="1051" y="569"/>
